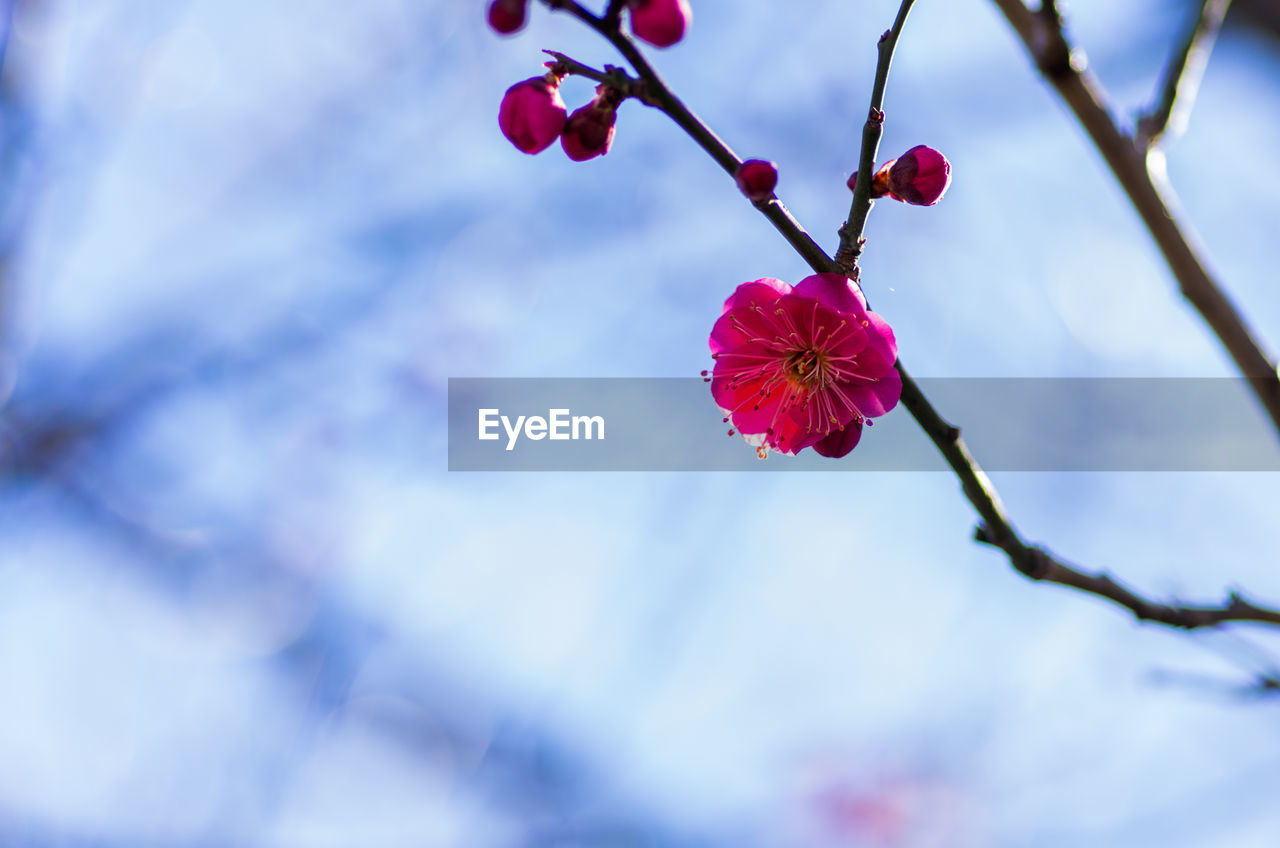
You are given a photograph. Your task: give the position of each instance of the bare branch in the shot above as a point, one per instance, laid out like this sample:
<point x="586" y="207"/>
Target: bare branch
<point x="1141" y="174"/>
<point x="1036" y="563"/>
<point x="851" y="240"/>
<point x="1167" y="117"/>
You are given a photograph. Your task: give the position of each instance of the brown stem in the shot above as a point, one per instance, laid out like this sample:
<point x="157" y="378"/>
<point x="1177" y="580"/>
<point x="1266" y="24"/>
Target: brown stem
<point x="851" y="239"/>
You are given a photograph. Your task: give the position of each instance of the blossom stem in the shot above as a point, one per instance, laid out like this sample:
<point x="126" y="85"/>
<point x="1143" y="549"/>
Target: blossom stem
<point x="995" y="527"/>
<point x="851" y="240"/>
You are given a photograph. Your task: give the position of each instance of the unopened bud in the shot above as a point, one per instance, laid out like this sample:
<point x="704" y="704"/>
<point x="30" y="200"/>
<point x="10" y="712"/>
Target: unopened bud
<point x="660" y="22"/>
<point x="920" y="176"/>
<point x="532" y="113"/>
<point x="507" y="16"/>
<point x="589" y="131"/>
<point x="757" y="179"/>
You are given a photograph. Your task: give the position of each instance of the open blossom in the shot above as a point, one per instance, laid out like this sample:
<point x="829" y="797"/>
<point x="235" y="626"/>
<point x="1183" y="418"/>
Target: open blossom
<point x="805" y="366"/>
<point x="660" y="22"/>
<point x="532" y="113"/>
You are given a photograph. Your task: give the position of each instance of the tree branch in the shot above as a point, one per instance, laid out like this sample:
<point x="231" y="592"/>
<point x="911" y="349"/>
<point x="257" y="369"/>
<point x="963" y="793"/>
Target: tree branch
<point x="1036" y="563"/>
<point x="996" y="528"/>
<point x="613" y="76"/>
<point x="1141" y="174"/>
<point x="851" y="239"/>
<point x="1167" y="117"/>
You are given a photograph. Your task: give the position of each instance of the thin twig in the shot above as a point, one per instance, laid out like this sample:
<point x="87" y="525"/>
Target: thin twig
<point x="612" y="76"/>
<point x="995" y="528"/>
<point x="1140" y="173"/>
<point x="1168" y="116"/>
<point x="851" y="240"/>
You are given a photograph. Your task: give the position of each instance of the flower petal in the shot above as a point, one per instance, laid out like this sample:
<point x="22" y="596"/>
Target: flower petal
<point x="881" y="351"/>
<point x="740" y="322"/>
<point x="834" y="291"/>
<point x="840" y="442"/>
<point x="875" y="398"/>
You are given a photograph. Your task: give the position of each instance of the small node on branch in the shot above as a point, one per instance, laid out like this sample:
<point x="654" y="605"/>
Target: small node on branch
<point x="1038" y="563"/>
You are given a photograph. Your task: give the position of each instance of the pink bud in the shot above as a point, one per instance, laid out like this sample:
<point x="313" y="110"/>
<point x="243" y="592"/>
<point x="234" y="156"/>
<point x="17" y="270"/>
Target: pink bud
<point x="507" y="16"/>
<point x="532" y="113"/>
<point x="757" y="179"/>
<point x="660" y="22"/>
<point x="589" y="131"/>
<point x="920" y="176"/>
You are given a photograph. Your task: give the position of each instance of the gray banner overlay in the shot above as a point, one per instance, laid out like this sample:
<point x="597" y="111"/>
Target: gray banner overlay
<point x="673" y="424"/>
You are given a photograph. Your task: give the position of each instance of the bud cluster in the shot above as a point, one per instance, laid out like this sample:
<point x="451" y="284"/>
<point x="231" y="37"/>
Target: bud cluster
<point x="532" y="116"/>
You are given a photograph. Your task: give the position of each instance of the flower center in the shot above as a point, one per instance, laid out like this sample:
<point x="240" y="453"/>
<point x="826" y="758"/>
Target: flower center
<point x="806" y="368"/>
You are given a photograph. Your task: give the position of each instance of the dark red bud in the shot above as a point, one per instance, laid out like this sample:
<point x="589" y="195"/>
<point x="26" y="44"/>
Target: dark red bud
<point x="507" y="16"/>
<point x="757" y="179"/>
<point x="589" y="130"/>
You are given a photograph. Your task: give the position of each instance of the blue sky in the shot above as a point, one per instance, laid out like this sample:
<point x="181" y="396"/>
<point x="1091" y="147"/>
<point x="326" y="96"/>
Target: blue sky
<point x="247" y="245"/>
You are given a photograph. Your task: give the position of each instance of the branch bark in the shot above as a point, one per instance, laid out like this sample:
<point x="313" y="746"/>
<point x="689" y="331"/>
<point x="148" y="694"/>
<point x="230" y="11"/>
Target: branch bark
<point x="1140" y="173"/>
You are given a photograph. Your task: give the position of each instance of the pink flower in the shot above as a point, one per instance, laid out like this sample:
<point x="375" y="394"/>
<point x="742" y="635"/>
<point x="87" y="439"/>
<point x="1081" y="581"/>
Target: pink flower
<point x="757" y="179"/>
<point x="660" y="22"/>
<point x="805" y="366"/>
<point x="920" y="176"/>
<point x="589" y="132"/>
<point x="532" y="113"/>
<point x="507" y="16"/>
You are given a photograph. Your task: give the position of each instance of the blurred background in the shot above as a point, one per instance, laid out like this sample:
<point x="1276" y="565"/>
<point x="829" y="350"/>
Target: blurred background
<point x="243" y="246"/>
